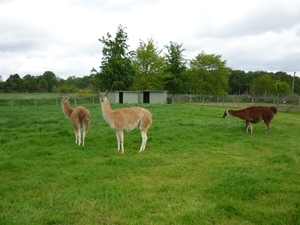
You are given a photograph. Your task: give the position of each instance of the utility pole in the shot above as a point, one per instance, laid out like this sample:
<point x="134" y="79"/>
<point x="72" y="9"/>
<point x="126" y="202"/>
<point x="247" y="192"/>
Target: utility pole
<point x="293" y="83"/>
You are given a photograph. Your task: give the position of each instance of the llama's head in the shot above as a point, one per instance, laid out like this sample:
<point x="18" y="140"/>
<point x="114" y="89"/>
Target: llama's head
<point x="64" y="99"/>
<point x="102" y="96"/>
<point x="226" y="113"/>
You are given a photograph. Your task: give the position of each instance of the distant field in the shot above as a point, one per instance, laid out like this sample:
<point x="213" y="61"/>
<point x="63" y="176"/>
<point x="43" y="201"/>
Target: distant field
<point x="197" y="169"/>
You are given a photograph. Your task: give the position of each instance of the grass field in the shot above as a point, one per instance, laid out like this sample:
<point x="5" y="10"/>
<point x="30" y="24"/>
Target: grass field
<point x="197" y="169"/>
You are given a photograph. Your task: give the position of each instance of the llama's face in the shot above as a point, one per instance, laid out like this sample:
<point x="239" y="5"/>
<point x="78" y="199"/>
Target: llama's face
<point x="64" y="99"/>
<point x="102" y="96"/>
<point x="226" y="113"/>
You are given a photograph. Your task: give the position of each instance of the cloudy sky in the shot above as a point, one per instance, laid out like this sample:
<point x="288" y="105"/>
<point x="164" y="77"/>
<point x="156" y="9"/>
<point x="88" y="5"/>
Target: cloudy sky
<point x="62" y="35"/>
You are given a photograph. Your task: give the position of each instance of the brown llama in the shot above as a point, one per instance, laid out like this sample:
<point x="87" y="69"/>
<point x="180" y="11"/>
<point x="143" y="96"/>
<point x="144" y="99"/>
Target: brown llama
<point x="253" y="114"/>
<point x="80" y="118"/>
<point x="126" y="119"/>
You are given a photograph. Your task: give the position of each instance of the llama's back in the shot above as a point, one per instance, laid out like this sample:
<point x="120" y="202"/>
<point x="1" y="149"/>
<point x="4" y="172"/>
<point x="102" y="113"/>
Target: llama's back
<point x="129" y="118"/>
<point x="81" y="116"/>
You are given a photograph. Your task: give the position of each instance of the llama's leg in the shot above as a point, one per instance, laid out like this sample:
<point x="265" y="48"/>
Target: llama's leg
<point x="75" y="130"/>
<point x="85" y="130"/>
<point x="247" y="126"/>
<point x="250" y="124"/>
<point x="267" y="126"/>
<point x="79" y="136"/>
<point x="83" y="134"/>
<point x="122" y="141"/>
<point x="144" y="141"/>
<point x="118" y="138"/>
<point x="119" y="134"/>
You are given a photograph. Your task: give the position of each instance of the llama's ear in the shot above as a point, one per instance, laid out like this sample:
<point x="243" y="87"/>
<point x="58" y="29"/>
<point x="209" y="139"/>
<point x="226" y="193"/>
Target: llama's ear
<point x="106" y="92"/>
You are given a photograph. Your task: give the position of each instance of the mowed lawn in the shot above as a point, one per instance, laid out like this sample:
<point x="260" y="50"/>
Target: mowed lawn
<point x="196" y="169"/>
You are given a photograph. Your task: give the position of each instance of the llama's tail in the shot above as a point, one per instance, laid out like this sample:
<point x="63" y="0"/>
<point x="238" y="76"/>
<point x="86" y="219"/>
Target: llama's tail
<point x="273" y="109"/>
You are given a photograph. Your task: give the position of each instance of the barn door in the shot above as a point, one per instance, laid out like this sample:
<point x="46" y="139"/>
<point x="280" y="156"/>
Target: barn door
<point x="120" y="97"/>
<point x="146" y="97"/>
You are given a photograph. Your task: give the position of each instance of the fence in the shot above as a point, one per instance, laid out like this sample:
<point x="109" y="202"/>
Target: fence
<point x="284" y="103"/>
<point x="47" y="101"/>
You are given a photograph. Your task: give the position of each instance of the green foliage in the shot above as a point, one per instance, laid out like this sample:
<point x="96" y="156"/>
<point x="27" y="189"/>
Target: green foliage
<point x="208" y="74"/>
<point x="116" y="70"/>
<point x="176" y="67"/>
<point x="263" y="84"/>
<point x="238" y="82"/>
<point x="149" y="67"/>
<point x="65" y="89"/>
<point x="197" y="169"/>
<point x="83" y="92"/>
<point x="51" y="80"/>
<point x="282" y="87"/>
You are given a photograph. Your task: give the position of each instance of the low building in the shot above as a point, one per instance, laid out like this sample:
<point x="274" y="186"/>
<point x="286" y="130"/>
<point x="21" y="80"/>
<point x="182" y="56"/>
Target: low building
<point x="142" y="96"/>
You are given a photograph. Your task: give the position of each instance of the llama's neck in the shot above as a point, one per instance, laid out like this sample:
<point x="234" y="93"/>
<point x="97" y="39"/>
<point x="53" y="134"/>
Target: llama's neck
<point x="67" y="109"/>
<point x="237" y="113"/>
<point x="106" y="110"/>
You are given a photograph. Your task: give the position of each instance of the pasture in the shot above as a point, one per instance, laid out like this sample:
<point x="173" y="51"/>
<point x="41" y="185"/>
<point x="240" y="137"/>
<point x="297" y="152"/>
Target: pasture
<point x="196" y="169"/>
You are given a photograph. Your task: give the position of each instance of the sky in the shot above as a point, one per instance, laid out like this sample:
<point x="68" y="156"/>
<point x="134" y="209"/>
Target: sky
<point x="62" y="36"/>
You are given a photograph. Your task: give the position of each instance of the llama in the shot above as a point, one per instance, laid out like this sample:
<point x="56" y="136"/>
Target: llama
<point x="80" y="118"/>
<point x="126" y="119"/>
<point x="254" y="114"/>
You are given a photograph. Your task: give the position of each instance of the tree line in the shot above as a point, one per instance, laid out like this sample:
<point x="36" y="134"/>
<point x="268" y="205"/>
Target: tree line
<point x="152" y="68"/>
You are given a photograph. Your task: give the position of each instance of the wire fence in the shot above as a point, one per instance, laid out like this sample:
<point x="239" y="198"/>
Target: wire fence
<point x="283" y="103"/>
<point x="47" y="101"/>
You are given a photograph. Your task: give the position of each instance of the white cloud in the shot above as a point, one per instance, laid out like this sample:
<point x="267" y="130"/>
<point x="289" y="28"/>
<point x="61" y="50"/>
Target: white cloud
<point x="62" y="36"/>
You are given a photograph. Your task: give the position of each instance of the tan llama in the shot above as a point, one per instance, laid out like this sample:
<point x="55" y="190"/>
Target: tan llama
<point x="126" y="119"/>
<point x="80" y="118"/>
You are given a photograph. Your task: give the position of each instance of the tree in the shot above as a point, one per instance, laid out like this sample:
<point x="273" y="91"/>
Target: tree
<point x="29" y="83"/>
<point x="149" y="67"/>
<point x="14" y="83"/>
<point x="1" y="84"/>
<point x="176" y="67"/>
<point x="208" y="74"/>
<point x="238" y="82"/>
<point x="51" y="80"/>
<point x="42" y="85"/>
<point x="263" y="84"/>
<point x="116" y="71"/>
<point x="282" y="87"/>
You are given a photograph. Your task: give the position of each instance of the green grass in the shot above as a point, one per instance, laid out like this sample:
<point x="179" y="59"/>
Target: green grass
<point x="197" y="169"/>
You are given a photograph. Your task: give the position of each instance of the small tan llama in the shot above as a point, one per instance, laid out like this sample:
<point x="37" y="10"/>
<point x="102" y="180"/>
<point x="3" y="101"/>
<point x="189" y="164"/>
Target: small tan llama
<point x="126" y="119"/>
<point x="80" y="118"/>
